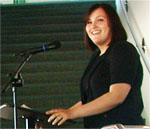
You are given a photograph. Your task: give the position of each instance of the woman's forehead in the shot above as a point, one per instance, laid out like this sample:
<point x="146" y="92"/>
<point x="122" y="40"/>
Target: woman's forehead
<point x="99" y="12"/>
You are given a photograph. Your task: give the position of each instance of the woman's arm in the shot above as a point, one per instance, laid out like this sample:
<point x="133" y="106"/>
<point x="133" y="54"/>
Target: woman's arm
<point x="78" y="104"/>
<point x="116" y="95"/>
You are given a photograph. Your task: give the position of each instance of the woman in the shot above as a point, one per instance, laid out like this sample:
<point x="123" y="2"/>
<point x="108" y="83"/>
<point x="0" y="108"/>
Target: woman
<point x="110" y="86"/>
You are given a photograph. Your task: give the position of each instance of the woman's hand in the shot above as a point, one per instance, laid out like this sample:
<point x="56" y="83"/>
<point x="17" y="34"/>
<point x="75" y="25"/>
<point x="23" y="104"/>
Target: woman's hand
<point x="58" y="116"/>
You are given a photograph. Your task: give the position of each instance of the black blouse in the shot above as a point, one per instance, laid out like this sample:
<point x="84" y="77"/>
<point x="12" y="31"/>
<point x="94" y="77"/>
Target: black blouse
<point x="119" y="64"/>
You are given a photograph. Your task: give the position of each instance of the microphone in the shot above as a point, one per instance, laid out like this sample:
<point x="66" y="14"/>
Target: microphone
<point x="43" y="48"/>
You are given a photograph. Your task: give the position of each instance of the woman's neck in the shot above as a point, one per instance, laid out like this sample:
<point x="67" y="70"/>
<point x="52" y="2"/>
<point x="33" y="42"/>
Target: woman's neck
<point x="103" y="49"/>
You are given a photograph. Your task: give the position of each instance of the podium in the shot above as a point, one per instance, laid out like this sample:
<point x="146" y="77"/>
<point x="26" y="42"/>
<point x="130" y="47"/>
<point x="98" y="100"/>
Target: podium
<point x="29" y="116"/>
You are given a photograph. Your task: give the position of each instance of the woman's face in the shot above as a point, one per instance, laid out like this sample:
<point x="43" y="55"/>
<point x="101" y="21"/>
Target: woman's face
<point x="98" y="27"/>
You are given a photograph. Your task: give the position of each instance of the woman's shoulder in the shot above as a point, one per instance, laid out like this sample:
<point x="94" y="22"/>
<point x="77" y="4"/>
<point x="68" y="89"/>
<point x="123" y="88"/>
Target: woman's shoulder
<point x="124" y="47"/>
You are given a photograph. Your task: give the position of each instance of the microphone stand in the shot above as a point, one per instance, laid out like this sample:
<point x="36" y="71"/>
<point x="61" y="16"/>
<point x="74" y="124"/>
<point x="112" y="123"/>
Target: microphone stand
<point x="16" y="80"/>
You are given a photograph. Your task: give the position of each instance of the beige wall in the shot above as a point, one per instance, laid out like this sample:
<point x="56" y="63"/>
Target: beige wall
<point x="139" y="15"/>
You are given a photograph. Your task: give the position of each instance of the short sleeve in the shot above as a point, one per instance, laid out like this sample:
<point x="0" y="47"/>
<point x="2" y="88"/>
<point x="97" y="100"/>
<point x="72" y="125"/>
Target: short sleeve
<point x="124" y="61"/>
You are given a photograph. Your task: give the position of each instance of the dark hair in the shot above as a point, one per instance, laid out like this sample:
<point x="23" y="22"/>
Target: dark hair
<point x="117" y="29"/>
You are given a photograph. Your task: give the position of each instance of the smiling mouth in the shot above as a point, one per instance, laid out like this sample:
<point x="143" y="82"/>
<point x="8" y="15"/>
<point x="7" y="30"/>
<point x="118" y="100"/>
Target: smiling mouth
<point x="96" y="32"/>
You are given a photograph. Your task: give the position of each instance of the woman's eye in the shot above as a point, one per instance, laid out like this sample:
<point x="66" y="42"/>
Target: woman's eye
<point x="100" y="19"/>
<point x="88" y="22"/>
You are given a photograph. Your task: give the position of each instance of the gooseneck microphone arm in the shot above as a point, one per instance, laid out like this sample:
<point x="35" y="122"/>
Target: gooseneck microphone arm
<point x="15" y="74"/>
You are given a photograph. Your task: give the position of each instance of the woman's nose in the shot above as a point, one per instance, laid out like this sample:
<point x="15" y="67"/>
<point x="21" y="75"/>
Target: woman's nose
<point x="94" y="25"/>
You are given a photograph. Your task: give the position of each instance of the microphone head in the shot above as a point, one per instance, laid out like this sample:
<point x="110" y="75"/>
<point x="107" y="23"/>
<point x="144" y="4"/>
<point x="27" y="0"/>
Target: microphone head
<point x="53" y="45"/>
<point x="43" y="48"/>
